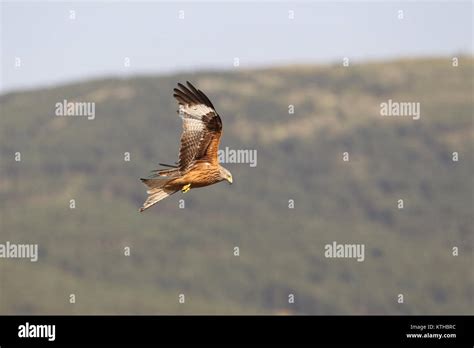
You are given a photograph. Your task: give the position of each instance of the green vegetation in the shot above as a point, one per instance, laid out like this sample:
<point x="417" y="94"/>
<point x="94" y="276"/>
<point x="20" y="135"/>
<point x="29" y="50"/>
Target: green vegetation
<point x="190" y="250"/>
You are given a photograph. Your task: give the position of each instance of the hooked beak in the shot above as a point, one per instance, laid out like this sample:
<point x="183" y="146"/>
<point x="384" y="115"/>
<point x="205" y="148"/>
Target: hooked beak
<point x="229" y="179"/>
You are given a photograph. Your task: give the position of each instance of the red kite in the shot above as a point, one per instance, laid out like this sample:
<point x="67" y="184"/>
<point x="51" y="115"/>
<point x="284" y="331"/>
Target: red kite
<point x="198" y="165"/>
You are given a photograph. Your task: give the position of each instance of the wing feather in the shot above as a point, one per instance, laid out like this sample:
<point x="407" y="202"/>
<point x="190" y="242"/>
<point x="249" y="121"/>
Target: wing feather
<point x="202" y="127"/>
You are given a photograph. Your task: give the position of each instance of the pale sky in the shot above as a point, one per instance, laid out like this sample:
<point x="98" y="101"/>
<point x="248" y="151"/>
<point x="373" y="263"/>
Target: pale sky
<point x="55" y="49"/>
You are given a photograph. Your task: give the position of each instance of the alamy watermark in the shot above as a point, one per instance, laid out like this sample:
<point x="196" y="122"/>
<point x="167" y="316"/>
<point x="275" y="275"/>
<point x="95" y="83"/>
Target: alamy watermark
<point x="19" y="251"/>
<point x="402" y="109"/>
<point x="66" y="108"/>
<point x="345" y="251"/>
<point x="28" y="330"/>
<point x="228" y="155"/>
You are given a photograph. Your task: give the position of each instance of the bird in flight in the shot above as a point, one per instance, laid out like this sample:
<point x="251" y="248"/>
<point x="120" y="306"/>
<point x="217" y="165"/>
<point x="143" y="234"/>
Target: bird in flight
<point x="198" y="165"/>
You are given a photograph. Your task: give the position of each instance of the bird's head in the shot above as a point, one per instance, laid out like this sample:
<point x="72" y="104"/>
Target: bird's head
<point x="225" y="174"/>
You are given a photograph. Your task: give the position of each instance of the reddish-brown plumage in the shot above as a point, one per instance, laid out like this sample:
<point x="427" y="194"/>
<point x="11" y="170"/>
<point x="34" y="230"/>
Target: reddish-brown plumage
<point x="198" y="164"/>
<point x="200" y="175"/>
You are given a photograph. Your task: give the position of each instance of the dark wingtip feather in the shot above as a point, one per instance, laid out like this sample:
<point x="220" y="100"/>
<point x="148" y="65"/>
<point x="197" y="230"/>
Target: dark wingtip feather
<point x="191" y="94"/>
<point x="190" y="85"/>
<point x="168" y="165"/>
<point x="206" y="99"/>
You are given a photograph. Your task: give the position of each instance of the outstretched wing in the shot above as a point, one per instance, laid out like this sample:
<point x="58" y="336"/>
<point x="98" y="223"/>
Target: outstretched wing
<point x="202" y="127"/>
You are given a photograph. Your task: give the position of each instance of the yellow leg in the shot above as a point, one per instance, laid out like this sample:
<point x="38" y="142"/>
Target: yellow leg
<point x="186" y="188"/>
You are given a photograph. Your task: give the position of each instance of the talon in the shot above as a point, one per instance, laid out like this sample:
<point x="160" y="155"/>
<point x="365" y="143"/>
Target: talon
<point x="186" y="188"/>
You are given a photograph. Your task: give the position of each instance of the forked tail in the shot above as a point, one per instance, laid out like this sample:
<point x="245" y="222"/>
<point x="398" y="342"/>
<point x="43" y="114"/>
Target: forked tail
<point x="156" y="191"/>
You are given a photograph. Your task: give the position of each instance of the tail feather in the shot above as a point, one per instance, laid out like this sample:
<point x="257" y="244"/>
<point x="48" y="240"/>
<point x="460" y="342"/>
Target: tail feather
<point x="156" y="191"/>
<point x="165" y="172"/>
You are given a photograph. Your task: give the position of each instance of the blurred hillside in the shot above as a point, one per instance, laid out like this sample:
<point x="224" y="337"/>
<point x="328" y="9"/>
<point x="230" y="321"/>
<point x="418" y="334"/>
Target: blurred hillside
<point x="190" y="250"/>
